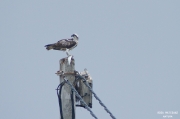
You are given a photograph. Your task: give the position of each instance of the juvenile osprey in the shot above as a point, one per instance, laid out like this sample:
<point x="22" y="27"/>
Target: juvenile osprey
<point x="64" y="44"/>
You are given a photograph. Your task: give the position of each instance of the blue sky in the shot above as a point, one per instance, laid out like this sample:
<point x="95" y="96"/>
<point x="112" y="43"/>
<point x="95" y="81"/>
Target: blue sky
<point x="130" y="48"/>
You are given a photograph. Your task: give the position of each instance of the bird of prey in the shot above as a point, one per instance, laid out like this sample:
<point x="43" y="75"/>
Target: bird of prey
<point x="64" y="44"/>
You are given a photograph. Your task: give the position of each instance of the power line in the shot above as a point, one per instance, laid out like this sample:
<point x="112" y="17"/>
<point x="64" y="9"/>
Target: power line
<point x="97" y="98"/>
<point x="80" y="98"/>
<point x="79" y="77"/>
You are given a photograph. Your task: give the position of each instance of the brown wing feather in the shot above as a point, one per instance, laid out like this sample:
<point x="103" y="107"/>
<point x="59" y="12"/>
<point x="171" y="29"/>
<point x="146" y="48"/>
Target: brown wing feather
<point x="61" y="44"/>
<point x="65" y="43"/>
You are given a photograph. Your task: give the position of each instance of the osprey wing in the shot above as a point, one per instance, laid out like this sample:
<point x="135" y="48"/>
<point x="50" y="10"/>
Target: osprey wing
<point x="66" y="43"/>
<point x="62" y="45"/>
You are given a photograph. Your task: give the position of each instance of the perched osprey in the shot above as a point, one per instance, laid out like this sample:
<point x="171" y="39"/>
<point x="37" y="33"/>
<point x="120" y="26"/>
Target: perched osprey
<point x="64" y="44"/>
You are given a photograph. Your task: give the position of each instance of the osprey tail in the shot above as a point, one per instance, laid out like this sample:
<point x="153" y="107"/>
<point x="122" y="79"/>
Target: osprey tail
<point x="49" y="46"/>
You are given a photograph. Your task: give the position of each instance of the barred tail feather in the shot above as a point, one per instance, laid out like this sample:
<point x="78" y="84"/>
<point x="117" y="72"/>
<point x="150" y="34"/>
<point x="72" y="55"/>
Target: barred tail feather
<point x="49" y="46"/>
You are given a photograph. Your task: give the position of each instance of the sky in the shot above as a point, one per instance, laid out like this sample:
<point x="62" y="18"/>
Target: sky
<point x="130" y="48"/>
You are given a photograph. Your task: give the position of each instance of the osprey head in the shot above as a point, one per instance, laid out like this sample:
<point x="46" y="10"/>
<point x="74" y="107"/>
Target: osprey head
<point x="75" y="36"/>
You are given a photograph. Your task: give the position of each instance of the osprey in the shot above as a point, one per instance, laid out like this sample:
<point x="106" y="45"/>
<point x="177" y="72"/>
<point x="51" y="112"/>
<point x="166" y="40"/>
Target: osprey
<point x="64" y="44"/>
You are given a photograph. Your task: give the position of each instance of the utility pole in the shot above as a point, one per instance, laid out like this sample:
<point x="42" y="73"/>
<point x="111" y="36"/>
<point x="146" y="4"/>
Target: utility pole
<point x="67" y="96"/>
<point x="74" y="83"/>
